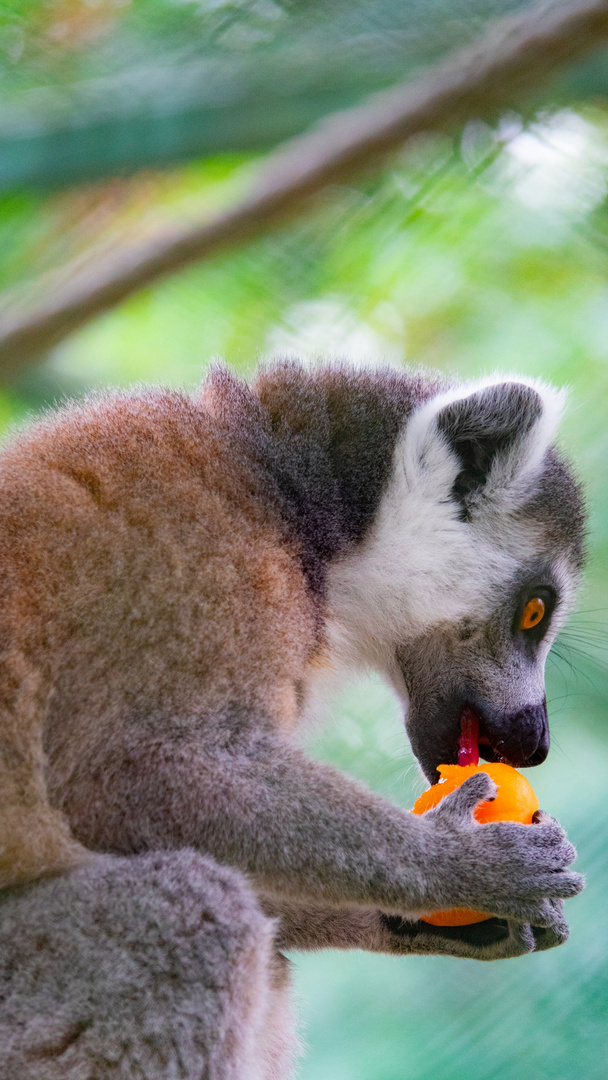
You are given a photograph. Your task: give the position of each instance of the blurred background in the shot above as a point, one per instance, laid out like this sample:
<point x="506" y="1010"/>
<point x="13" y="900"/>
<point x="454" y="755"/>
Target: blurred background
<point x="470" y="251"/>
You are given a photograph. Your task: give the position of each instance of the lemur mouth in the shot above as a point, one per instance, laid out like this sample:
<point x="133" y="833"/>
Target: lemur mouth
<point x="469" y="732"/>
<point x="522" y="741"/>
<point x="473" y="741"/>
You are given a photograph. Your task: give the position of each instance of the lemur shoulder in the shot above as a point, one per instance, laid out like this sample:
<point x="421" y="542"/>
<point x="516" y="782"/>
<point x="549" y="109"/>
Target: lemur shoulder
<point x="174" y="571"/>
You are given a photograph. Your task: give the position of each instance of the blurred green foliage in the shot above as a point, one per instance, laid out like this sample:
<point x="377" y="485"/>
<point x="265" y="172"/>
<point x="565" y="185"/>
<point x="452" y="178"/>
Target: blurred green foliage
<point x="94" y="88"/>
<point x="470" y="256"/>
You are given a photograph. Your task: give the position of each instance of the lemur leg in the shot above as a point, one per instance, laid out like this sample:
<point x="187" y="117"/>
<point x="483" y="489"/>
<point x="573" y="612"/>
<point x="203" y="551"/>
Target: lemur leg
<point x="35" y="839"/>
<point x="144" y="968"/>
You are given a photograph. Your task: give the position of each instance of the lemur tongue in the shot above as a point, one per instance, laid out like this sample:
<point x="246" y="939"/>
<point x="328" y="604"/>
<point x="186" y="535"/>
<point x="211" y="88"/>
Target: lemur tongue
<point x="468" y="748"/>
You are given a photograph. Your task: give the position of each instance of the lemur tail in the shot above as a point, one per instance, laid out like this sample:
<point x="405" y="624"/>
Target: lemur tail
<point x="35" y="839"/>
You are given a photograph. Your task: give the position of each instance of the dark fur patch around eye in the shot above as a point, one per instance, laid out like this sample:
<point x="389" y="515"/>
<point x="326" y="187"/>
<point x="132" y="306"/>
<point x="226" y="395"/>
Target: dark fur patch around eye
<point x="480" y="428"/>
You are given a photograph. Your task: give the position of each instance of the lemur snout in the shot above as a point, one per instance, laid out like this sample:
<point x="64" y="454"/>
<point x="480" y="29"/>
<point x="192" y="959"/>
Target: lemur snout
<point x="521" y="738"/>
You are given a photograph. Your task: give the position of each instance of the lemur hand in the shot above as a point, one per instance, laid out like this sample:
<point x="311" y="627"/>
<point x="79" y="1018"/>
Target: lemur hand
<point x="495" y="939"/>
<point x="509" y="870"/>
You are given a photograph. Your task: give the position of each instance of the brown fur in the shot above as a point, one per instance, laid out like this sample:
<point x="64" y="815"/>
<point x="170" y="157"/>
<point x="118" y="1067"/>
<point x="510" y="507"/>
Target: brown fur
<point x="138" y="583"/>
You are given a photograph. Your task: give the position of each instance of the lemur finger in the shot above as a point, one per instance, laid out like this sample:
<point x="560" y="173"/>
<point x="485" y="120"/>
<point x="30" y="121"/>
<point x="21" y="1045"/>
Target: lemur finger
<point x="521" y="940"/>
<point x="540" y="887"/>
<point x="459" y="804"/>
<point x="533" y="901"/>
<point x="558" y="856"/>
<point x="544" y="852"/>
<point x="559" y="924"/>
<point x="561" y="885"/>
<point x="551" y="919"/>
<point x="541" y="817"/>
<point x="551" y="835"/>
<point x="547" y="937"/>
<point x="544" y="845"/>
<point x="541" y="835"/>
<point x="538" y="913"/>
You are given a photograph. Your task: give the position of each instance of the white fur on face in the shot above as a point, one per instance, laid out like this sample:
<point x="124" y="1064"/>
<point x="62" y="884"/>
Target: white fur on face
<point x="420" y="565"/>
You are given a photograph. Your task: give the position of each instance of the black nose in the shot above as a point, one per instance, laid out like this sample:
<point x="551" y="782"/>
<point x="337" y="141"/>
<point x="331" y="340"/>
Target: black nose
<point x="522" y="738"/>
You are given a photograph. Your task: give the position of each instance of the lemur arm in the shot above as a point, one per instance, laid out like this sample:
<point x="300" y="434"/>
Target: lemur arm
<point x="304" y="831"/>
<point x="314" y="927"/>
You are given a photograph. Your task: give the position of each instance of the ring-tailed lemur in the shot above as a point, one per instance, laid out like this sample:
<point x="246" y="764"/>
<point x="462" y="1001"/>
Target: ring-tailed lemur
<point x="174" y="573"/>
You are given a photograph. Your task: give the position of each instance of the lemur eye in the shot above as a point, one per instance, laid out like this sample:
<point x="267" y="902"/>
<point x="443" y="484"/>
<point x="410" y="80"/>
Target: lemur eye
<point x="532" y="614"/>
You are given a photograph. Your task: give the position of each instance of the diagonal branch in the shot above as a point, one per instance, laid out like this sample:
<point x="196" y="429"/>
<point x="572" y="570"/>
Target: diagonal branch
<point x="512" y="59"/>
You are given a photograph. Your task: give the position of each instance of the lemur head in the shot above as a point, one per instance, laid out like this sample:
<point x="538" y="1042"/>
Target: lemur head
<point x="467" y="572"/>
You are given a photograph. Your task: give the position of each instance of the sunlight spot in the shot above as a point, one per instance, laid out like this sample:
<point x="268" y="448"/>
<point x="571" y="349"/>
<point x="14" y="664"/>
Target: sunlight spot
<point x="328" y="327"/>
<point x="558" y="164"/>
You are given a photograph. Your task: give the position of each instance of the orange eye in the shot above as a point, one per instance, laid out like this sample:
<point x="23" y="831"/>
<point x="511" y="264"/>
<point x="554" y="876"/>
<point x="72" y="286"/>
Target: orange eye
<point x="532" y="613"/>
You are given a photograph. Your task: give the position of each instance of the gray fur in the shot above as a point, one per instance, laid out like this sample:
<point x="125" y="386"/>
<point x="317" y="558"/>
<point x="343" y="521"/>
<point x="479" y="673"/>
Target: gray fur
<point x="511" y="861"/>
<point x="158" y="967"/>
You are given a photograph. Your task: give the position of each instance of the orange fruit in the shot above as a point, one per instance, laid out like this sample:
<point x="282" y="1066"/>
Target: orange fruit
<point x="515" y="801"/>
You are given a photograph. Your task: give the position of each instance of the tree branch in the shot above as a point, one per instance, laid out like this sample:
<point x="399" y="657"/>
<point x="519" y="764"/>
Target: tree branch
<point x="512" y="59"/>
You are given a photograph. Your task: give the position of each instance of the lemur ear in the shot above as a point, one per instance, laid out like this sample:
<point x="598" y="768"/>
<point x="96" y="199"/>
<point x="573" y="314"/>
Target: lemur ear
<point x="496" y="436"/>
